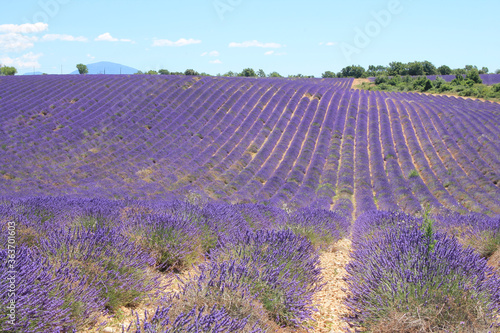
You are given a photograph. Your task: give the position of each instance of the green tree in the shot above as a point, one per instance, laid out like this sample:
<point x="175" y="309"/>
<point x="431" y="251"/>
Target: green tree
<point x="458" y="80"/>
<point x="82" y="69"/>
<point x="473" y="75"/>
<point x="163" y="72"/>
<point x="230" y="74"/>
<point x="7" y="70"/>
<point x="328" y="75"/>
<point x="261" y="73"/>
<point x="152" y="72"/>
<point x="397" y="68"/>
<point x="248" y="72"/>
<point x="376" y="70"/>
<point x="353" y="71"/>
<point x="190" y="72"/>
<point x="469" y="68"/>
<point x="497" y="71"/>
<point x="275" y="74"/>
<point x="484" y="70"/>
<point x="429" y="68"/>
<point x="139" y="72"/>
<point x="444" y="70"/>
<point x="415" y="68"/>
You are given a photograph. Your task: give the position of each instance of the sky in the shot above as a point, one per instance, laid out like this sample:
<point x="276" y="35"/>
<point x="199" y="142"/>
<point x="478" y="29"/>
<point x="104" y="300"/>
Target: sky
<point x="217" y="36"/>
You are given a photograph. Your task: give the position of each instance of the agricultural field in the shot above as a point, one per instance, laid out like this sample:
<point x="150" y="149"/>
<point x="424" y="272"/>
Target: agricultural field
<point x="112" y="185"/>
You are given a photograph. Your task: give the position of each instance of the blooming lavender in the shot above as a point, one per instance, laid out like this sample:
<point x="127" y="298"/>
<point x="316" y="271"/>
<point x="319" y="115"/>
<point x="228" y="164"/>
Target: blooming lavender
<point x="284" y="272"/>
<point x="48" y="297"/>
<point x="430" y="278"/>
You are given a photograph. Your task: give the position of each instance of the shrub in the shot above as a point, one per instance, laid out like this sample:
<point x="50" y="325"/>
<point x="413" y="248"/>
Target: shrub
<point x="114" y="264"/>
<point x="480" y="232"/>
<point x="369" y="224"/>
<point x="173" y="241"/>
<point x="399" y="282"/>
<point x="469" y="92"/>
<point x="221" y="287"/>
<point x="413" y="174"/>
<point x="321" y="227"/>
<point x="48" y="297"/>
<point x="283" y="271"/>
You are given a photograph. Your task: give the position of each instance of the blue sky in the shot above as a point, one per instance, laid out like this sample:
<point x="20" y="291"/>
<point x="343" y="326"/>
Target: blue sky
<point x="215" y="36"/>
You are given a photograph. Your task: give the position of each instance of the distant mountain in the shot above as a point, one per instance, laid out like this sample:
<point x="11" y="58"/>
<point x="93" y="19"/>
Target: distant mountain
<point x="33" y="73"/>
<point x="105" y="67"/>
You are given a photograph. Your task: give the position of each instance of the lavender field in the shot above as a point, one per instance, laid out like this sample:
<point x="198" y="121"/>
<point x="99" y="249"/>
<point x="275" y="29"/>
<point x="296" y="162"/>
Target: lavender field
<point x="111" y="183"/>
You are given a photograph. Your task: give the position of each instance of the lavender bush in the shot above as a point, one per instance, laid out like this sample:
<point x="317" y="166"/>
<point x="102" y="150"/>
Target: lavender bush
<point x="113" y="264"/>
<point x="283" y="270"/>
<point x="49" y="297"/>
<point x="478" y="231"/>
<point x="321" y="227"/>
<point x="405" y="280"/>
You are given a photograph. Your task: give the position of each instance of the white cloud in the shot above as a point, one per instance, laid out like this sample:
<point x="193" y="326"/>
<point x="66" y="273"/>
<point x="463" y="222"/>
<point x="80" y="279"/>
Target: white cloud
<point x="217" y="61"/>
<point x="26" y="28"/>
<point x="91" y="57"/>
<point x="66" y="38"/>
<point x="14" y="42"/>
<point x="180" y="42"/>
<point x="268" y="53"/>
<point x="211" y="54"/>
<point x="254" y="43"/>
<point x="328" y="43"/>
<point x="28" y="60"/>
<point x="106" y="37"/>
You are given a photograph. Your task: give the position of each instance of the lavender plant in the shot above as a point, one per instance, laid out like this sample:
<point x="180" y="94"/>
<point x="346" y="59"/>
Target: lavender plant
<point x="321" y="227"/>
<point x="173" y="241"/>
<point x="39" y="296"/>
<point x="113" y="264"/>
<point x="283" y="270"/>
<point x="480" y="232"/>
<point x="397" y="281"/>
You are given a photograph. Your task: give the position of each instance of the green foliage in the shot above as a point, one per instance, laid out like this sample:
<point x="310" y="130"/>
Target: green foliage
<point x="163" y="72"/>
<point x="152" y="72"/>
<point x="413" y="174"/>
<point x="82" y="69"/>
<point x="353" y="71"/>
<point x="328" y="75"/>
<point x="261" y="73"/>
<point x="474" y="76"/>
<point x="248" y="72"/>
<point x="415" y="68"/>
<point x="6" y="70"/>
<point x="484" y="70"/>
<point x="428" y="229"/>
<point x="429" y="68"/>
<point x="275" y="74"/>
<point x="444" y="70"/>
<point x="397" y="68"/>
<point x="190" y="72"/>
<point x="376" y="70"/>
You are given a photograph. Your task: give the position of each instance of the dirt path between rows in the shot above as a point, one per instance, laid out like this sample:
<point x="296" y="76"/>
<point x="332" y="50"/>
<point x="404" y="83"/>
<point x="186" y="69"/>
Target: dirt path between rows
<point x="331" y="298"/>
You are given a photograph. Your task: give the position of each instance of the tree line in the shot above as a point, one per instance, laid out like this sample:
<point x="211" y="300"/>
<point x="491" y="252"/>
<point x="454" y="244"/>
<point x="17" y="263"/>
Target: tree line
<point x="397" y="68"/>
<point x="247" y="72"/>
